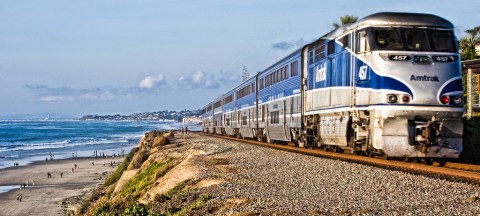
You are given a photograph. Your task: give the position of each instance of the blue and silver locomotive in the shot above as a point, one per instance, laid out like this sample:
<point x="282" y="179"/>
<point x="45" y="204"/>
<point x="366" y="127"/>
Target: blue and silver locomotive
<point x="389" y="84"/>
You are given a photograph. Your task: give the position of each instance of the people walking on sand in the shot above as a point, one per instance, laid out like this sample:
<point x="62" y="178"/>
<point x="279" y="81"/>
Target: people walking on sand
<point x="61" y="175"/>
<point x="49" y="175"/>
<point x="93" y="163"/>
<point x="20" y="198"/>
<point x="72" y="169"/>
<point x="75" y="166"/>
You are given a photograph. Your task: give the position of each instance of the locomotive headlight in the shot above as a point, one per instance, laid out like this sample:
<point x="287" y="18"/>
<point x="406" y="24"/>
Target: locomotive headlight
<point x="457" y="100"/>
<point x="391" y="98"/>
<point x="445" y="99"/>
<point x="406" y="98"/>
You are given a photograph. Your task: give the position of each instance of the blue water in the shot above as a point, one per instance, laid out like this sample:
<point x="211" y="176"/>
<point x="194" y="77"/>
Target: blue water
<point x="25" y="141"/>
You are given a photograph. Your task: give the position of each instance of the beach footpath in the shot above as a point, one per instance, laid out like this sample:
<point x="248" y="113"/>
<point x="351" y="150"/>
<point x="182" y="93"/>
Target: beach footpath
<point x="53" y="187"/>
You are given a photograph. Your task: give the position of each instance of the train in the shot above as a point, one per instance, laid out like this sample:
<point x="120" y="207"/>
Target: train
<point x="389" y="84"/>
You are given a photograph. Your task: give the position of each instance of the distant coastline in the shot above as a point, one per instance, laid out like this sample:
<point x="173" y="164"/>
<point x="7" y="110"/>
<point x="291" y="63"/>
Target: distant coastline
<point x="145" y="116"/>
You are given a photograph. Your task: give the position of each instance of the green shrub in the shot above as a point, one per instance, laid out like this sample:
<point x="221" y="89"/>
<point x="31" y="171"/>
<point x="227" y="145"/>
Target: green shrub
<point x="179" y="200"/>
<point x="471" y="141"/>
<point x="135" y="186"/>
<point x="137" y="210"/>
<point x="102" y="210"/>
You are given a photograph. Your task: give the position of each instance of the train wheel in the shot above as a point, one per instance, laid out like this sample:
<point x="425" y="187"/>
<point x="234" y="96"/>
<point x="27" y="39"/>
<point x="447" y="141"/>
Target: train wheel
<point x="428" y="161"/>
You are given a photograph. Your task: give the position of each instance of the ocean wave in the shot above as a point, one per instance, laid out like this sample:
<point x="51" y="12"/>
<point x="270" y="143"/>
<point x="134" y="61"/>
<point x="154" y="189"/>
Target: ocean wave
<point x="70" y="144"/>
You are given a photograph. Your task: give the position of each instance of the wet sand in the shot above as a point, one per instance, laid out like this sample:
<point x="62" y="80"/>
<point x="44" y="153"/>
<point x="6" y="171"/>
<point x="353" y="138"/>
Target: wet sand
<point x="46" y="196"/>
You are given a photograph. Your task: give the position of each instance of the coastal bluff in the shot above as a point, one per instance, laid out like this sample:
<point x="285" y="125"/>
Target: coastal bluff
<point x="164" y="174"/>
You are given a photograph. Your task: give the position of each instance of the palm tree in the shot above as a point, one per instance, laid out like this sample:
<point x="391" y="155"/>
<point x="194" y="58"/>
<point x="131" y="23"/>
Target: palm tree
<point x="345" y="20"/>
<point x="467" y="44"/>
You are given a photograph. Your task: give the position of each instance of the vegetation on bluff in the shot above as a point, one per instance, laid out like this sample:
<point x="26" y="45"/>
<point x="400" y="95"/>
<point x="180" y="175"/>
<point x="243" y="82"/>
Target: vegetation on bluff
<point x="128" y="190"/>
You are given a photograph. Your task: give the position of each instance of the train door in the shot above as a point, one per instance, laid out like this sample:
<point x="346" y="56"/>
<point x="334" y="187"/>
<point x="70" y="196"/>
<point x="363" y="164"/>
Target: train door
<point x="285" y="128"/>
<point x="361" y="71"/>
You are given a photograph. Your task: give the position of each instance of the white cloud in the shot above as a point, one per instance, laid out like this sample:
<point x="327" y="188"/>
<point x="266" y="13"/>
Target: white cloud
<point x="52" y="98"/>
<point x="152" y="81"/>
<point x="203" y="80"/>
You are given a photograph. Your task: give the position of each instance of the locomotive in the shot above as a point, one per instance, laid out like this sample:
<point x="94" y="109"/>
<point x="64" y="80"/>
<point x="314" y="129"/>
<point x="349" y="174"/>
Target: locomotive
<point x="389" y="84"/>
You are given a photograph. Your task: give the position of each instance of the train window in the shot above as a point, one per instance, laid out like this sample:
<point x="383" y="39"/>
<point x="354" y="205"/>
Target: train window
<point x="388" y="39"/>
<point x="286" y="71"/>
<point x="363" y="45"/>
<point x="244" y="120"/>
<point x="282" y="74"/>
<point x="275" y="117"/>
<point x="310" y="57"/>
<point x="417" y="39"/>
<point x="346" y="41"/>
<point x="319" y="53"/>
<point x="293" y="68"/>
<point x="443" y="41"/>
<point x="331" y="47"/>
<point x="261" y="83"/>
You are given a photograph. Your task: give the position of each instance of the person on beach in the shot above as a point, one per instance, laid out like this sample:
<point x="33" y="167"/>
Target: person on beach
<point x="186" y="130"/>
<point x="93" y="164"/>
<point x="46" y="159"/>
<point x="49" y="175"/>
<point x="61" y="175"/>
<point x="75" y="166"/>
<point x="33" y="183"/>
<point x="20" y="198"/>
<point x="72" y="169"/>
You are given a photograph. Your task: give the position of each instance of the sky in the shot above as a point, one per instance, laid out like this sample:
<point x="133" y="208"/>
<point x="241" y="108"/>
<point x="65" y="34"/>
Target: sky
<point x="126" y="56"/>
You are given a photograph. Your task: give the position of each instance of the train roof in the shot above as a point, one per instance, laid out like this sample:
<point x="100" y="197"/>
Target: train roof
<point x="296" y="52"/>
<point x="392" y="19"/>
<point x="407" y="19"/>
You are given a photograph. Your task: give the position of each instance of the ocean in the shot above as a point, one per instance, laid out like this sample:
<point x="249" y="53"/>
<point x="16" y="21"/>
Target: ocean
<point x="26" y="141"/>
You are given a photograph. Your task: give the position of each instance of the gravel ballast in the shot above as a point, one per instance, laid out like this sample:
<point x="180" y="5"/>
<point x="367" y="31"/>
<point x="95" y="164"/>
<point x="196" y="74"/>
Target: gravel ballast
<point x="265" y="181"/>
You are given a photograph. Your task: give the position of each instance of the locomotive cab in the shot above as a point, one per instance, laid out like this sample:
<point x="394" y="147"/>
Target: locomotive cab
<point x="408" y="74"/>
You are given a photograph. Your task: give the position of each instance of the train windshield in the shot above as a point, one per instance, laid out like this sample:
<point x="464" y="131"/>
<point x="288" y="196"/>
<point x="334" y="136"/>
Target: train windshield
<point x="413" y="39"/>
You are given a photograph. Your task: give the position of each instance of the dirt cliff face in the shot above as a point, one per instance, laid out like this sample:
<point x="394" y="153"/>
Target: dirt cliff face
<point x="163" y="175"/>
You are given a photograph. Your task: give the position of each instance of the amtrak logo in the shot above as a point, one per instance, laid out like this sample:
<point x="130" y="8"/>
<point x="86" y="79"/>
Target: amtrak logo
<point x="424" y="78"/>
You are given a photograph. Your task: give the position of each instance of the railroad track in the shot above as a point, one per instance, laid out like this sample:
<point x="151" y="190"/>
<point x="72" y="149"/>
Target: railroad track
<point x="450" y="171"/>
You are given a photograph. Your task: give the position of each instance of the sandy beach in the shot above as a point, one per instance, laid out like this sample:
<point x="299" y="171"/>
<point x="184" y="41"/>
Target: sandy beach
<point x="43" y="195"/>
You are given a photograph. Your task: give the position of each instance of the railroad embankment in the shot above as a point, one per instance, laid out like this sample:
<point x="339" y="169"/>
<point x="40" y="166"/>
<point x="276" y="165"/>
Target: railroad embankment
<point x="202" y="175"/>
